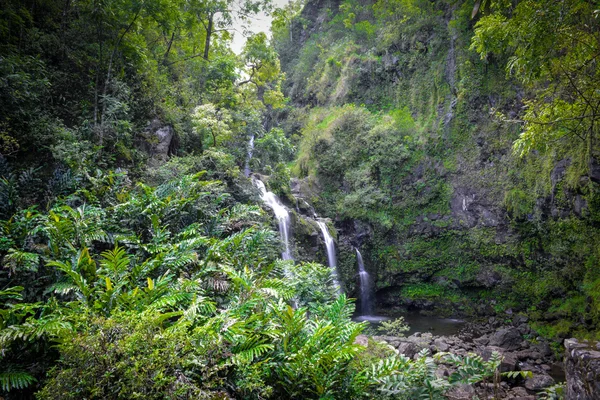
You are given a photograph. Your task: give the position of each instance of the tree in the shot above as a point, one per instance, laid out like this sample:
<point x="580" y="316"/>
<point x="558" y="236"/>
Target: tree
<point x="552" y="47"/>
<point x="263" y="70"/>
<point x="284" y="17"/>
<point x="219" y="16"/>
<point x="208" y="120"/>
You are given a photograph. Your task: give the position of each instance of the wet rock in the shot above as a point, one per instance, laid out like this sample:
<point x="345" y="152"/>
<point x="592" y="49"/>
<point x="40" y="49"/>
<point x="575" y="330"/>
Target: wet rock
<point x="582" y="367"/>
<point x="539" y="382"/>
<point x="507" y="338"/>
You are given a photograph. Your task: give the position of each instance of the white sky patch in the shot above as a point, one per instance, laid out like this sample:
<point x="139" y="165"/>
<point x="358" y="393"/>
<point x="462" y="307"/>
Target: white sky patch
<point x="260" y="23"/>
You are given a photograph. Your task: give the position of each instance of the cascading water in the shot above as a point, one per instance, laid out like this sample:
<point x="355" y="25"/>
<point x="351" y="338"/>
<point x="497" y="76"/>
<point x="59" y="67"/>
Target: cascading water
<point x="330" y="246"/>
<point x="365" y="304"/>
<point x="250" y="151"/>
<point x="282" y="214"/>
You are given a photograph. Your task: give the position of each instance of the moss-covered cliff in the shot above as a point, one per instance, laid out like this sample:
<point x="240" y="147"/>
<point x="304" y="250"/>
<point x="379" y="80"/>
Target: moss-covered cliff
<point x="398" y="142"/>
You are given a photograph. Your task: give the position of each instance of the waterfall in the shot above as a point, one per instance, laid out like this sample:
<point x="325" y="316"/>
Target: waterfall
<point x="283" y="217"/>
<point x="249" y="157"/>
<point x="330" y="246"/>
<point x="365" y="305"/>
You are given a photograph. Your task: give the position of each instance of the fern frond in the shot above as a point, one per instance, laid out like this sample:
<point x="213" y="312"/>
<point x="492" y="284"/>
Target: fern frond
<point x="10" y="380"/>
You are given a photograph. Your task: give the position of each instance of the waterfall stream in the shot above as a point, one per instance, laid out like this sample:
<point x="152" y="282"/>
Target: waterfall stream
<point x="247" y="170"/>
<point x="282" y="214"/>
<point x="330" y="246"/>
<point x="365" y="304"/>
<point x="283" y="219"/>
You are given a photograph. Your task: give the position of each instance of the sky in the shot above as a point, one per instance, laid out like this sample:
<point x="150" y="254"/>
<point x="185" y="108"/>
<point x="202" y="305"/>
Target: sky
<point x="261" y="23"/>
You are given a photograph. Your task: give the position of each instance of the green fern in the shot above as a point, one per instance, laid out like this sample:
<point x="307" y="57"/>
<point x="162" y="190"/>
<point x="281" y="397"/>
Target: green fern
<point x="10" y="380"/>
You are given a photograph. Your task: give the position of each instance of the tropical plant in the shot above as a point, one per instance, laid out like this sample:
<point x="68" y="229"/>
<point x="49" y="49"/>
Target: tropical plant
<point x="394" y="327"/>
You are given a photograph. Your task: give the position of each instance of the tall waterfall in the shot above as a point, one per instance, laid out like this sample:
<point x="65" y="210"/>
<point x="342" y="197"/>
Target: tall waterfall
<point x="330" y="246"/>
<point x="283" y="217"/>
<point x="365" y="286"/>
<point x="249" y="157"/>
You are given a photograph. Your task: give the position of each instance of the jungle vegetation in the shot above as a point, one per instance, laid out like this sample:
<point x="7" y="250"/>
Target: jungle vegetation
<point x="131" y="274"/>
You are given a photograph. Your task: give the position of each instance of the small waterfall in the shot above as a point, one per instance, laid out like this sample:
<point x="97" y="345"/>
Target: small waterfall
<point x="365" y="284"/>
<point x="249" y="157"/>
<point x="330" y="246"/>
<point x="283" y="217"/>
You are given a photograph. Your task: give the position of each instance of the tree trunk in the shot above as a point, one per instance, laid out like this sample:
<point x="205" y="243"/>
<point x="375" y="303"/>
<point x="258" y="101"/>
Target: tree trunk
<point x="209" y="32"/>
<point x="164" y="62"/>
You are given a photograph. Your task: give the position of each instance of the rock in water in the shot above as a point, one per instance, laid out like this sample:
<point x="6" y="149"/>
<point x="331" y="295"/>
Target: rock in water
<point x="582" y="367"/>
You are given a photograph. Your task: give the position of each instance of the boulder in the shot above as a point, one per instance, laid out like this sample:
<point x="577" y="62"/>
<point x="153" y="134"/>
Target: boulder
<point x="507" y="338"/>
<point x="488" y="278"/>
<point x="539" y="382"/>
<point x="409" y="349"/>
<point x="422" y="340"/>
<point x="543" y="348"/>
<point x="481" y="341"/>
<point x="509" y="360"/>
<point x="582" y="367"/>
<point x="440" y="345"/>
<point x="528" y="355"/>
<point x="461" y="392"/>
<point x="391" y="340"/>
<point x="518" y="392"/>
<point x="156" y="141"/>
<point x="524" y="329"/>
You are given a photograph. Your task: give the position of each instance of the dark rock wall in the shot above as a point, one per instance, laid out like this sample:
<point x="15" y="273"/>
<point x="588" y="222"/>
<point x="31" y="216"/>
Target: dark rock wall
<point x="582" y="366"/>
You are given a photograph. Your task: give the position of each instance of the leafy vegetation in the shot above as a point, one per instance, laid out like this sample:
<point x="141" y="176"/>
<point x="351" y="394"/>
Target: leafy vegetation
<point x="136" y="261"/>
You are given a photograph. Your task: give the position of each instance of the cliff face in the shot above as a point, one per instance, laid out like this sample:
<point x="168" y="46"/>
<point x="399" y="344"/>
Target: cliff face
<point x="399" y="145"/>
